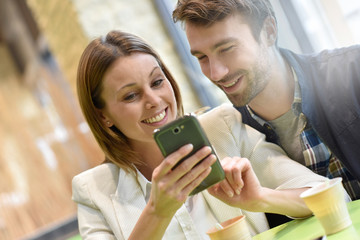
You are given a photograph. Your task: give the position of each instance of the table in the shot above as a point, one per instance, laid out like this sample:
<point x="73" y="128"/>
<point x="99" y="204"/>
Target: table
<point x="310" y="228"/>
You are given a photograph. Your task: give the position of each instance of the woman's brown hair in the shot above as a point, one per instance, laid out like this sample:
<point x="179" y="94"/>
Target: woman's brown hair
<point x="97" y="57"/>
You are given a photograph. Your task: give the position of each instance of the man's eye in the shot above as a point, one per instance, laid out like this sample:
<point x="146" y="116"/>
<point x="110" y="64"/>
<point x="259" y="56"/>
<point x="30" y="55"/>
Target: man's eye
<point x="201" y="57"/>
<point x="226" y="49"/>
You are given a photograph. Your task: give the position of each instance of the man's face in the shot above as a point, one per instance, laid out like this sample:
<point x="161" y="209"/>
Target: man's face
<point x="231" y="58"/>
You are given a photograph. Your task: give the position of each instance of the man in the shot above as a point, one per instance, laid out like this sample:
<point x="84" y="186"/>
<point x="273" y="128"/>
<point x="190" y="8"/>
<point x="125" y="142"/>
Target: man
<point x="308" y="104"/>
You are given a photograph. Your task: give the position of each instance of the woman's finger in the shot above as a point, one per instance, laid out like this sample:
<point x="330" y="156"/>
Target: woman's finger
<point x="196" y="175"/>
<point x="172" y="159"/>
<point x="187" y="164"/>
<point x="169" y="176"/>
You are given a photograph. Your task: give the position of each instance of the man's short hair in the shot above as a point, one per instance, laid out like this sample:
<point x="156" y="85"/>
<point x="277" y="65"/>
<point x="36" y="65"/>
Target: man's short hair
<point x="207" y="12"/>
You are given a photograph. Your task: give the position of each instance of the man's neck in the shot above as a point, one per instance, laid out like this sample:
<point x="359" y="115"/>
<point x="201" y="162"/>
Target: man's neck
<point x="277" y="97"/>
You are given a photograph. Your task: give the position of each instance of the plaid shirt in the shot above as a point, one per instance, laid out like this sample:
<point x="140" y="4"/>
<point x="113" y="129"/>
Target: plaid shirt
<point x="320" y="160"/>
<point x="317" y="155"/>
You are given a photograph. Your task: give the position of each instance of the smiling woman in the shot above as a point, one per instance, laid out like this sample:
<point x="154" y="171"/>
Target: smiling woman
<point x="121" y="88"/>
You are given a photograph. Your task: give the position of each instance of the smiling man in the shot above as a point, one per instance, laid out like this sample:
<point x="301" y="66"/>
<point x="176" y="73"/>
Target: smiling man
<point x="307" y="104"/>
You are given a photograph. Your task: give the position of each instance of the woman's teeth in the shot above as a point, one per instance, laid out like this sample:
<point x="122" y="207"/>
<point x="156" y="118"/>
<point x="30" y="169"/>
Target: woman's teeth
<point x="157" y="118"/>
<point x="232" y="83"/>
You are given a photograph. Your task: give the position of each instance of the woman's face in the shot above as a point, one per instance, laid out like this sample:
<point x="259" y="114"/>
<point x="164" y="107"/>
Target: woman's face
<point x="138" y="97"/>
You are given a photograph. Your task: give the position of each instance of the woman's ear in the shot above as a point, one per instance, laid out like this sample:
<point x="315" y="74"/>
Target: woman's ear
<point x="270" y="29"/>
<point x="106" y="121"/>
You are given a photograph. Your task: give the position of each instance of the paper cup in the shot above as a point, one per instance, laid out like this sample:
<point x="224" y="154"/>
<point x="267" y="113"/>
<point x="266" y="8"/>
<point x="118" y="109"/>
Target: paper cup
<point x="327" y="202"/>
<point x="233" y="229"/>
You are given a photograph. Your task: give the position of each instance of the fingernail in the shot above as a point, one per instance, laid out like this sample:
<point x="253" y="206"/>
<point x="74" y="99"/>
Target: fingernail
<point x="230" y="194"/>
<point x="189" y="146"/>
<point x="237" y="192"/>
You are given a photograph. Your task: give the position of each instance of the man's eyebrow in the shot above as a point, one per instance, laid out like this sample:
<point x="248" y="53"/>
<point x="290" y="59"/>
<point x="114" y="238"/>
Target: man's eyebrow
<point x="217" y="45"/>
<point x="194" y="52"/>
<point x="223" y="42"/>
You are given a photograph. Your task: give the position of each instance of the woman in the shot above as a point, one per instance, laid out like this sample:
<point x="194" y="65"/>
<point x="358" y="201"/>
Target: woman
<point x="126" y="92"/>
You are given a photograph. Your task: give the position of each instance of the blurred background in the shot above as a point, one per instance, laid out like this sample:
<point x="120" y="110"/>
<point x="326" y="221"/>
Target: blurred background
<point x="44" y="140"/>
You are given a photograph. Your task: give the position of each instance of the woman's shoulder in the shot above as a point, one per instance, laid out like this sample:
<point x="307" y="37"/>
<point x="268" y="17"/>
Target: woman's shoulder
<point x="102" y="178"/>
<point x="106" y="170"/>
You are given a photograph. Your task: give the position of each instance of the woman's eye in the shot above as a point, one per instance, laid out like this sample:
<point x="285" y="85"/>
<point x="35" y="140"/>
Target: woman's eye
<point x="130" y="96"/>
<point x="157" y="82"/>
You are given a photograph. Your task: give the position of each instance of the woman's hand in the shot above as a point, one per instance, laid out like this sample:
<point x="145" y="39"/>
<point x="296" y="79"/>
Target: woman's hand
<point x="241" y="187"/>
<point x="171" y="187"/>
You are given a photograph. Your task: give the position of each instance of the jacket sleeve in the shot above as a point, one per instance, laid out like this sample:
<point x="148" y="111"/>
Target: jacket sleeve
<point x="273" y="168"/>
<point x="92" y="223"/>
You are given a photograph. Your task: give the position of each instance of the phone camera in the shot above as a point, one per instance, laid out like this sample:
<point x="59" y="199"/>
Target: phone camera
<point x="176" y="130"/>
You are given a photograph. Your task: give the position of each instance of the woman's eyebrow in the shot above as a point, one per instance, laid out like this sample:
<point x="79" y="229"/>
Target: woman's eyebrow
<point x="152" y="71"/>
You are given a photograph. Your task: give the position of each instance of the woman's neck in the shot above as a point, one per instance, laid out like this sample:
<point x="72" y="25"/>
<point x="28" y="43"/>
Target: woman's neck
<point x="150" y="155"/>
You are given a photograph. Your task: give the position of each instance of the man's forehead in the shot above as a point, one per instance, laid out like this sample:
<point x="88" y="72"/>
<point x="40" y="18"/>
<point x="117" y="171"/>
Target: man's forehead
<point x="200" y="37"/>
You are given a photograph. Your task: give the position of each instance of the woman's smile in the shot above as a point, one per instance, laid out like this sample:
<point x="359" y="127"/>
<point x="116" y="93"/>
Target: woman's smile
<point x="159" y="118"/>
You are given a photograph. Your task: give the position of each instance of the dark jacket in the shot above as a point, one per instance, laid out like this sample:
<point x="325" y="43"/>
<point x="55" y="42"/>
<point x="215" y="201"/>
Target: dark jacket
<point x="330" y="90"/>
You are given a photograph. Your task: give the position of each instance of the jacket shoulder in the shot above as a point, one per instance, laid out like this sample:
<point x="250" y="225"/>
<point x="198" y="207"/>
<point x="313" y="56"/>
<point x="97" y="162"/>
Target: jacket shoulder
<point x="225" y="111"/>
<point x="101" y="179"/>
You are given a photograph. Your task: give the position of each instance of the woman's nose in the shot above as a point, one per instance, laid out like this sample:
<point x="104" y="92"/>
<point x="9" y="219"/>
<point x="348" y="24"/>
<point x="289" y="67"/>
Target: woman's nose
<point x="151" y="99"/>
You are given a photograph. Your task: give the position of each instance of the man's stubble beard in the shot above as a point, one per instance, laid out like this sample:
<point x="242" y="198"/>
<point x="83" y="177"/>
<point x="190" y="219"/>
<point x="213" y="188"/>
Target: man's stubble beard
<point x="255" y="84"/>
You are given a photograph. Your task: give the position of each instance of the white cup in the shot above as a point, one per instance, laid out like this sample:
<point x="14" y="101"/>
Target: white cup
<point x="327" y="202"/>
<point x="232" y="229"/>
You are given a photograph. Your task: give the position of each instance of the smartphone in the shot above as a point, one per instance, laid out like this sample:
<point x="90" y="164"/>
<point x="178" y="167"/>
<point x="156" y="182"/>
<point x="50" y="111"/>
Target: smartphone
<point x="182" y="131"/>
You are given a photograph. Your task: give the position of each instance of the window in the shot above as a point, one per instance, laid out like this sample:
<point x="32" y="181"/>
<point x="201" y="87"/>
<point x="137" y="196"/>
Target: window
<point x="323" y="25"/>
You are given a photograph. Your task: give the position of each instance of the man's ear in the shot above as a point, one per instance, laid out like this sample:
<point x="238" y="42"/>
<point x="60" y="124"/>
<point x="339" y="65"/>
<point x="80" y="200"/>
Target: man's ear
<point x="106" y="121"/>
<point x="270" y="29"/>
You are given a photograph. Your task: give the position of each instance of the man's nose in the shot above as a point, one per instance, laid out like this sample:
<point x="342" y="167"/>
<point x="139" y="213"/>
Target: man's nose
<point x="218" y="70"/>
